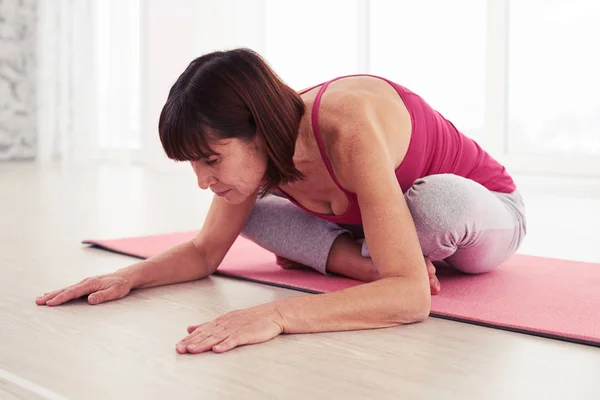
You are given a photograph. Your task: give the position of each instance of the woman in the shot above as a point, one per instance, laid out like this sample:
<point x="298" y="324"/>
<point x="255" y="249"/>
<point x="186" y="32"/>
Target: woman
<point x="310" y="175"/>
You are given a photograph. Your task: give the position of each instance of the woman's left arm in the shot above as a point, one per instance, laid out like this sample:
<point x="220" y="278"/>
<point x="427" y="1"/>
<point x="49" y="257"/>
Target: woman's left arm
<point x="364" y="166"/>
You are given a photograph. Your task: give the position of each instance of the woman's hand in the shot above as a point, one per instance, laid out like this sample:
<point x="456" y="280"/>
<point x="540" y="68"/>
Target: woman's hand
<point x="100" y="289"/>
<point x="251" y="326"/>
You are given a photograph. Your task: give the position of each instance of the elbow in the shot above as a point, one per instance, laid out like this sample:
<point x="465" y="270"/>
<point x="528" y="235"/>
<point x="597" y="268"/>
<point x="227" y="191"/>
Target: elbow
<point x="414" y="307"/>
<point x="204" y="260"/>
<point x="422" y="308"/>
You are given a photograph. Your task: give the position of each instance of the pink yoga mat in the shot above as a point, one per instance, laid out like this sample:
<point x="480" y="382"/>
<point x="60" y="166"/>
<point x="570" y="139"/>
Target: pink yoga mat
<point x="534" y="295"/>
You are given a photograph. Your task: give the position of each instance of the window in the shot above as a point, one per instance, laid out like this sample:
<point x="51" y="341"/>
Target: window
<point x="436" y="48"/>
<point x="553" y="78"/>
<point x="117" y="66"/>
<point x="320" y="45"/>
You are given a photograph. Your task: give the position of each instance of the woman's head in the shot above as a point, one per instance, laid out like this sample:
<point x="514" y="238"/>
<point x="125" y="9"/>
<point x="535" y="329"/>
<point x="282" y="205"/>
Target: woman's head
<point x="235" y="121"/>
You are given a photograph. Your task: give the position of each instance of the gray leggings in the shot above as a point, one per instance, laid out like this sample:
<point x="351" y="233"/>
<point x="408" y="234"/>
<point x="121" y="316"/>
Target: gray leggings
<point x="458" y="220"/>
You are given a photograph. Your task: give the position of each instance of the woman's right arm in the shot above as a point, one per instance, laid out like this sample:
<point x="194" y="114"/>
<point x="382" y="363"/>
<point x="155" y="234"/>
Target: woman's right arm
<point x="198" y="257"/>
<point x="190" y="260"/>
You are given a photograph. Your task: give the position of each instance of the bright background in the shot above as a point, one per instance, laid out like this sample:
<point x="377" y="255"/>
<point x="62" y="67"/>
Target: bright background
<point x="521" y="77"/>
<point x="82" y="83"/>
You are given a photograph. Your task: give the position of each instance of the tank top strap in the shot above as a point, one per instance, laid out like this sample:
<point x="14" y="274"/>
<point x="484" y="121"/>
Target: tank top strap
<point x="317" y="132"/>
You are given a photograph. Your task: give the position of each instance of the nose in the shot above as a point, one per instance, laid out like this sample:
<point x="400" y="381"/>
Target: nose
<point x="204" y="182"/>
<point x="205" y="178"/>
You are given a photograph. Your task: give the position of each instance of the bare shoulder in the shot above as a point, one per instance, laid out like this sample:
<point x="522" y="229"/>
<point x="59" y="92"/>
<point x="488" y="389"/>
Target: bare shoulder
<point x="362" y="121"/>
<point x="366" y="130"/>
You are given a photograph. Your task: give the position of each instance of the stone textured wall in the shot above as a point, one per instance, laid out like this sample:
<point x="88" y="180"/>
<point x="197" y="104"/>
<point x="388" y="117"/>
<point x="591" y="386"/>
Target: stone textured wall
<point x="17" y="79"/>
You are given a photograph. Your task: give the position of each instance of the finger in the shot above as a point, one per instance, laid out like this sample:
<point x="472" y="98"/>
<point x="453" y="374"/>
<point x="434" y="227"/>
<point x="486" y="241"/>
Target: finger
<point x="182" y="346"/>
<point x="191" y="329"/>
<point x="41" y="300"/>
<point x="207" y="343"/>
<point x="112" y="293"/>
<point x="229" y="343"/>
<point x="81" y="289"/>
<point x="202" y="332"/>
<point x="198" y="334"/>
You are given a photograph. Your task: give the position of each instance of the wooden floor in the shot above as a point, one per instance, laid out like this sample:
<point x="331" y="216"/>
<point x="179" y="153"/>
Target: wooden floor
<point x="126" y="349"/>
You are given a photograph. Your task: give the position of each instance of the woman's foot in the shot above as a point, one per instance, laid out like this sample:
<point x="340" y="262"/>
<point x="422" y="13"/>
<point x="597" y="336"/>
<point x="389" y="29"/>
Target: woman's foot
<point x="288" y="264"/>
<point x="344" y="259"/>
<point x="434" y="283"/>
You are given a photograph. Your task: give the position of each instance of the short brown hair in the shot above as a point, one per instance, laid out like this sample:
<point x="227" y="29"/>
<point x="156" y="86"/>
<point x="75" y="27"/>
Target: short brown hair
<point x="233" y="94"/>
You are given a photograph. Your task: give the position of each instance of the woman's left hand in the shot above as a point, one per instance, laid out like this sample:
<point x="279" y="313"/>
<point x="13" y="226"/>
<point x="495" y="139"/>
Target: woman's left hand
<point x="250" y="326"/>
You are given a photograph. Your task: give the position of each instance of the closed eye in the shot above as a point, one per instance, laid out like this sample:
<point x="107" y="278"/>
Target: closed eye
<point x="211" y="162"/>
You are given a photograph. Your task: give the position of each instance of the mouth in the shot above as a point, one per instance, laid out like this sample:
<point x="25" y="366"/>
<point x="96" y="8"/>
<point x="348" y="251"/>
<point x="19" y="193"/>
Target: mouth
<point x="223" y="193"/>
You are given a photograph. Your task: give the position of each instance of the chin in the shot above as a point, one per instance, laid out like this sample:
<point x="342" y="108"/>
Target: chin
<point x="235" y="197"/>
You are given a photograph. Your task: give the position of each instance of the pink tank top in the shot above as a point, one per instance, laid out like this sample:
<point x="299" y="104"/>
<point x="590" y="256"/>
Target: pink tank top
<point x="435" y="147"/>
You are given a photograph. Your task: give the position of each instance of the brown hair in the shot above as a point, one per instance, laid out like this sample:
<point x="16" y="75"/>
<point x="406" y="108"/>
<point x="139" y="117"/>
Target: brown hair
<point x="233" y="94"/>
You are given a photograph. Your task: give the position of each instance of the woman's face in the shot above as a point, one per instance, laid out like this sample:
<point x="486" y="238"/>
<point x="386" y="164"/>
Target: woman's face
<point x="236" y="173"/>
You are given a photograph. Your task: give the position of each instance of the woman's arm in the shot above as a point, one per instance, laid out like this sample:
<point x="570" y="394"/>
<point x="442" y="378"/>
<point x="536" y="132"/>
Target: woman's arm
<point x="198" y="257"/>
<point x="363" y="165"/>
<point x="187" y="261"/>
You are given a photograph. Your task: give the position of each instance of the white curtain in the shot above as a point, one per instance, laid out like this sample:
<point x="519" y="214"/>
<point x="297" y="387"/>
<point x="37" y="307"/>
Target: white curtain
<point x="88" y="81"/>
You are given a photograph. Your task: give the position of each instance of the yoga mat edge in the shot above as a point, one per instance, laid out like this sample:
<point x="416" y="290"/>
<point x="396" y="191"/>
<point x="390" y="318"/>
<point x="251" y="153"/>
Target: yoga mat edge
<point x="556" y="334"/>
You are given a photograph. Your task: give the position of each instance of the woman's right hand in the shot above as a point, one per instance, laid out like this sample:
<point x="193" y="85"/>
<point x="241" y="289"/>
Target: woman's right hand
<point x="100" y="289"/>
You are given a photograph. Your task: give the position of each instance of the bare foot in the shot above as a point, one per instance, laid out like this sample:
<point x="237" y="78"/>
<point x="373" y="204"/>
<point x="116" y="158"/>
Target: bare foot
<point x="434" y="283"/>
<point x="288" y="264"/>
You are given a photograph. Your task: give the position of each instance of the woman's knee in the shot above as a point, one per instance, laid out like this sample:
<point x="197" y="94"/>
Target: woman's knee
<point x="462" y="222"/>
<point x="493" y="250"/>
<point x="442" y="207"/>
<point x="436" y="196"/>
